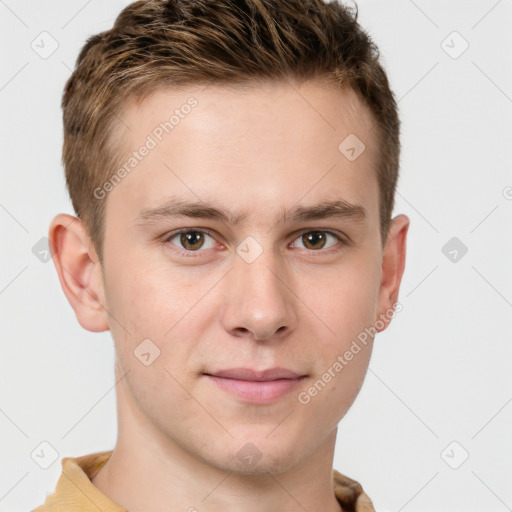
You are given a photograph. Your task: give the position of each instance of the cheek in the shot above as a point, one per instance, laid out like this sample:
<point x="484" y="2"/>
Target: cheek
<point x="169" y="306"/>
<point x="344" y="298"/>
<point x="347" y="306"/>
<point x="150" y="294"/>
<point x="150" y="310"/>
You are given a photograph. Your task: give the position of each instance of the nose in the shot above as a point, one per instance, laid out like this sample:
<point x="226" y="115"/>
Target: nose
<point x="259" y="302"/>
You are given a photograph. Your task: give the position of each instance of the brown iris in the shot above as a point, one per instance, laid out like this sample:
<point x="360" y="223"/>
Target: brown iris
<point x="314" y="239"/>
<point x="192" y="240"/>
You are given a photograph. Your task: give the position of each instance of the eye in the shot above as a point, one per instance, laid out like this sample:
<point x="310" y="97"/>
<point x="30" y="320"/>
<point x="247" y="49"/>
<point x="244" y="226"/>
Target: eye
<point x="191" y="240"/>
<point x="316" y="240"/>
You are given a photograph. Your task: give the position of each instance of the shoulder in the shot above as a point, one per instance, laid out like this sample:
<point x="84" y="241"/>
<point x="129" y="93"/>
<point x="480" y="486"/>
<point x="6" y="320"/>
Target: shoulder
<point x="350" y="494"/>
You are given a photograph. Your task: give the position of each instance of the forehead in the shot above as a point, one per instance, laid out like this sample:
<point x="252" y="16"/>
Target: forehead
<point x="319" y="102"/>
<point x="271" y="143"/>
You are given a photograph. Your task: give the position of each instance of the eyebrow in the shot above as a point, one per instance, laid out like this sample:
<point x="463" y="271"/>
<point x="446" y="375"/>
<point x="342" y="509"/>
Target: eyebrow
<point x="177" y="207"/>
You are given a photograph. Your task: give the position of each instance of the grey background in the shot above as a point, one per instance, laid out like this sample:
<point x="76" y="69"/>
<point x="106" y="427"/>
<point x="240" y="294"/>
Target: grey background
<point x="439" y="386"/>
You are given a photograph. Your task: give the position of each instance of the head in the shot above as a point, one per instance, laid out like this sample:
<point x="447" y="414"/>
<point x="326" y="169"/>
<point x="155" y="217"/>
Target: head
<point x="276" y="120"/>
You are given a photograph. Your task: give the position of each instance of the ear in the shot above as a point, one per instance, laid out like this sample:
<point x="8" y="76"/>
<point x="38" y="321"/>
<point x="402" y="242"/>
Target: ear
<point x="79" y="271"/>
<point x="393" y="264"/>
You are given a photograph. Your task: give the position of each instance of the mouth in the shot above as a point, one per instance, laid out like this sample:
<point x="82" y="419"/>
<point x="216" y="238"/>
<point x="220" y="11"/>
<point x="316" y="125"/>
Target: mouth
<point x="256" y="386"/>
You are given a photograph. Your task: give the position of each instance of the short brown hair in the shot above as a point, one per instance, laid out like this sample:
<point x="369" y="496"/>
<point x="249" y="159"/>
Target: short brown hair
<point x="164" y="43"/>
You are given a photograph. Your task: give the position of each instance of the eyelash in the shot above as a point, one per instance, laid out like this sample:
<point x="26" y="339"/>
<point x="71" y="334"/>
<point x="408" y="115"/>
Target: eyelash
<point x="193" y="254"/>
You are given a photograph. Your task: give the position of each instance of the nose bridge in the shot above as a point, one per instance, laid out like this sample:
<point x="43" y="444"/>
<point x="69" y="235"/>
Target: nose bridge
<point x="259" y="302"/>
<point x="259" y="277"/>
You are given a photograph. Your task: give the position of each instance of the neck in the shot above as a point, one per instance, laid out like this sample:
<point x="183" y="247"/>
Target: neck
<point x="148" y="472"/>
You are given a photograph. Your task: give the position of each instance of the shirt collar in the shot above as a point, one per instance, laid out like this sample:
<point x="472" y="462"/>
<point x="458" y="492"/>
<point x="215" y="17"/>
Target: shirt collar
<point x="76" y="491"/>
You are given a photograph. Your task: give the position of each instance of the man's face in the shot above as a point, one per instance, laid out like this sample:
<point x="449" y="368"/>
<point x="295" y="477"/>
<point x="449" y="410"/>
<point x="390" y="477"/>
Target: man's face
<point x="262" y="293"/>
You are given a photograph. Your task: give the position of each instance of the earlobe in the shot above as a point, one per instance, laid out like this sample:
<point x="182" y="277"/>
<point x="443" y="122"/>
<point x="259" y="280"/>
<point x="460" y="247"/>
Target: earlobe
<point x="79" y="271"/>
<point x="393" y="265"/>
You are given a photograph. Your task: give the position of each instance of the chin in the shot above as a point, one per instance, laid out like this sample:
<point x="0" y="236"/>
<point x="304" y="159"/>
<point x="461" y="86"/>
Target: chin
<point x="257" y="457"/>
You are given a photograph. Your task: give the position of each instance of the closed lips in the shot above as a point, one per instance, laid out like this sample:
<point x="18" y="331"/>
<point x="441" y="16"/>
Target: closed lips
<point x="256" y="375"/>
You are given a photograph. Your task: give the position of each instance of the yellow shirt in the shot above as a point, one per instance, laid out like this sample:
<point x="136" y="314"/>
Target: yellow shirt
<point x="76" y="493"/>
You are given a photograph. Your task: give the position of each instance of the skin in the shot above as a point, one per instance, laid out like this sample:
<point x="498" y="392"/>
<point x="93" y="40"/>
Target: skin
<point x="297" y="306"/>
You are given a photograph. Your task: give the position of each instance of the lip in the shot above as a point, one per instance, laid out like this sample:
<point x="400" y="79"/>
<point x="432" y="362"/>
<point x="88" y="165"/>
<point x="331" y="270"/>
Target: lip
<point x="256" y="375"/>
<point x="256" y="386"/>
